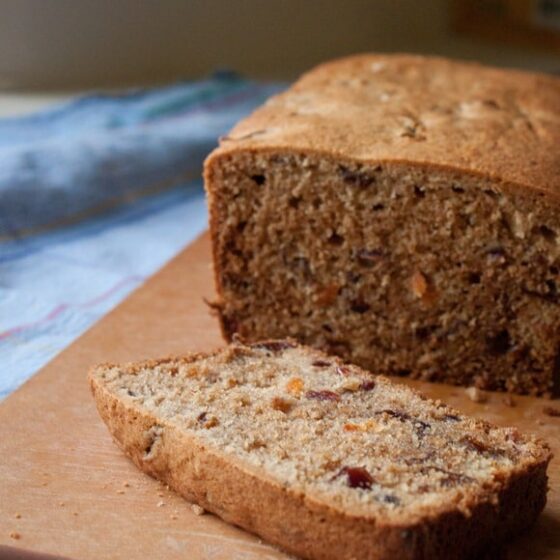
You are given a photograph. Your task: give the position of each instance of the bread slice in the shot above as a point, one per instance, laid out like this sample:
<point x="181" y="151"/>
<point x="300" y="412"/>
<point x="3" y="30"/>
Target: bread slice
<point x="402" y="212"/>
<point x="321" y="458"/>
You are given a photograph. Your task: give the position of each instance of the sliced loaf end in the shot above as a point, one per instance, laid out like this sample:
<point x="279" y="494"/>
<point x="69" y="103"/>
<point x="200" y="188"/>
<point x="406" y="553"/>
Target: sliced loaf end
<point x="319" y="457"/>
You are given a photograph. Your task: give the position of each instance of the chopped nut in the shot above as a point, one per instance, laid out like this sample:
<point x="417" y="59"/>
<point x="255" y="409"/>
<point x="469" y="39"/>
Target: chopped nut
<point x="197" y="510"/>
<point x="15" y="535"/>
<point x="351" y="385"/>
<point x="295" y="386"/>
<point x="418" y="284"/>
<point x="278" y="403"/>
<point x="508" y="401"/>
<point x="551" y="411"/>
<point x="476" y="395"/>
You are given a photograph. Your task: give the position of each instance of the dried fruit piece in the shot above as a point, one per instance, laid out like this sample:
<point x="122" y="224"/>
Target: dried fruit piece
<point x="323" y="395"/>
<point x="278" y="403"/>
<point x="367" y="385"/>
<point x="295" y="386"/>
<point x="357" y="477"/>
<point x="368" y="257"/>
<point x="418" y="284"/>
<point x="343" y="370"/>
<point x="321" y="363"/>
<point x="362" y="427"/>
<point x="274" y="345"/>
<point x="551" y="411"/>
<point x="207" y="421"/>
<point x="327" y="295"/>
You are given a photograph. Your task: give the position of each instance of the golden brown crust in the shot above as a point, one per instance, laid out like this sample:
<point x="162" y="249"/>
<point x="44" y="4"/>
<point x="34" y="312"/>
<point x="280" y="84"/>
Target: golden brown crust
<point x="244" y="495"/>
<point x="416" y="110"/>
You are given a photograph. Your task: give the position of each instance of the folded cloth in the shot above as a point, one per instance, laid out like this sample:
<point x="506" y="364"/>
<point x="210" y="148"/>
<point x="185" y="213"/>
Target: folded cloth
<point x="95" y="195"/>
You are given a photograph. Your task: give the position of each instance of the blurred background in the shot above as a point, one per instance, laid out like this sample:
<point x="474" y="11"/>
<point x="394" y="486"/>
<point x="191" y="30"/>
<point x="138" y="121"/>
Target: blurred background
<point x="61" y="45"/>
<point x="108" y="108"/>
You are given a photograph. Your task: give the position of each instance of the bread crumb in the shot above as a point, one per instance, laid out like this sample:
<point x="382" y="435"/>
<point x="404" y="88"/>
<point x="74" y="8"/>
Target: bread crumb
<point x="476" y="395"/>
<point x="17" y="515"/>
<point x="61" y="504"/>
<point x="15" y="535"/>
<point x="75" y="514"/>
<point x="126" y="484"/>
<point x="197" y="510"/>
<point x="173" y="517"/>
<point x="120" y="492"/>
<point x="508" y="401"/>
<point x="551" y="411"/>
<point x="161" y="503"/>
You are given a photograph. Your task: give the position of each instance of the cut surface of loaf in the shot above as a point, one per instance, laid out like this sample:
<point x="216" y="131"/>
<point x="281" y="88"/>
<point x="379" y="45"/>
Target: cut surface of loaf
<point x="319" y="457"/>
<point x="402" y="212"/>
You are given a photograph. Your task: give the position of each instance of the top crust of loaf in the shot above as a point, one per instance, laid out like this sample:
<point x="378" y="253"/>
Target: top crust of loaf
<point x="424" y="111"/>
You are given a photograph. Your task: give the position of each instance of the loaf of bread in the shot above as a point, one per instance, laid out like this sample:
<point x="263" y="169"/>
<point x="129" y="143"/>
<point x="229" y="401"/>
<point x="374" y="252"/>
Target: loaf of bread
<point x="402" y="212"/>
<point x="321" y="459"/>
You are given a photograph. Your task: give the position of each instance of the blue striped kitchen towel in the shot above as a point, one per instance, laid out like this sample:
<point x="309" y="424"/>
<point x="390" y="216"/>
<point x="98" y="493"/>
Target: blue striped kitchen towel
<point x="95" y="195"/>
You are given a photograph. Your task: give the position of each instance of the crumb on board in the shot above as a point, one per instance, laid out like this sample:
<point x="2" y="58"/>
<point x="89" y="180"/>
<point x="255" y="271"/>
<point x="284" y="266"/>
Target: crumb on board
<point x="197" y="510"/>
<point x="126" y="484"/>
<point x="17" y="515"/>
<point x="552" y="411"/>
<point x="509" y="401"/>
<point x="476" y="395"/>
<point x="61" y="504"/>
<point x="173" y="517"/>
<point x="121" y="492"/>
<point x="15" y="535"/>
<point x="161" y="503"/>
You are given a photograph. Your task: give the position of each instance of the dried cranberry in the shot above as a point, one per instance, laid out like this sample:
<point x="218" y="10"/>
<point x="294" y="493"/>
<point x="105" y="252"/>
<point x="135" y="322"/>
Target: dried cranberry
<point x="343" y="370"/>
<point x="320" y="363"/>
<point x="202" y="417"/>
<point x="499" y="343"/>
<point x="474" y="444"/>
<point x="358" y="178"/>
<point x="359" y="306"/>
<point x="367" y="385"/>
<point x="322" y="395"/>
<point x="357" y="477"/>
<point x="274" y="345"/>
<point x="367" y="257"/>
<point x="451" y="418"/>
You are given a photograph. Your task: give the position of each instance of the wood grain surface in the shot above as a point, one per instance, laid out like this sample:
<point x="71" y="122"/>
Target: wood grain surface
<point x="66" y="490"/>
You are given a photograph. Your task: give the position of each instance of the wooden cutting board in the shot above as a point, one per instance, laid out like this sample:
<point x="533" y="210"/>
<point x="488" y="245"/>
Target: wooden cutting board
<point x="66" y="490"/>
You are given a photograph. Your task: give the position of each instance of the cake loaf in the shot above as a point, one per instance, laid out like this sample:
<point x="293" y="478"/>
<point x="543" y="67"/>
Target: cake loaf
<point x="317" y="457"/>
<point x="401" y="212"/>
